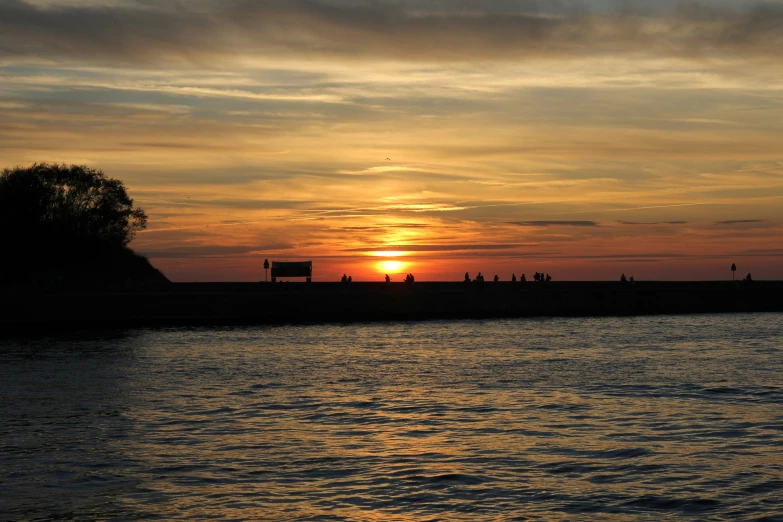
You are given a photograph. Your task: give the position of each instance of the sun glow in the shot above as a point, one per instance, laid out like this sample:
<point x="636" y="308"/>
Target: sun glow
<point x="388" y="254"/>
<point x="391" y="266"/>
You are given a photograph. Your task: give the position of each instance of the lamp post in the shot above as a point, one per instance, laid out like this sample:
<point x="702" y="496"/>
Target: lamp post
<point x="733" y="269"/>
<point x="266" y="270"/>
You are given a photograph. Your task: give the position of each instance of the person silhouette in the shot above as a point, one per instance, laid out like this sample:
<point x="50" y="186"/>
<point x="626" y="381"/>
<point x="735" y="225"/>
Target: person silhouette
<point x="513" y="278"/>
<point x="467" y="277"/>
<point x="523" y="278"/>
<point x="631" y="279"/>
<point x="350" y="279"/>
<point x="388" y="279"/>
<point x="537" y="277"/>
<point x="548" y="278"/>
<point x="496" y="279"/>
<point x="623" y="279"/>
<point x="344" y="279"/>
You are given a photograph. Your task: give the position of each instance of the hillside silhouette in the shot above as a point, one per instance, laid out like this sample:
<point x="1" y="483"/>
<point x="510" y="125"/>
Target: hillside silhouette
<point x="69" y="225"/>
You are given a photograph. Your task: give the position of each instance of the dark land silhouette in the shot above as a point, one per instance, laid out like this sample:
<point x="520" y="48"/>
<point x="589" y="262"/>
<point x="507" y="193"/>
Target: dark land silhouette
<point x="66" y="262"/>
<point x="69" y="226"/>
<point x="217" y="304"/>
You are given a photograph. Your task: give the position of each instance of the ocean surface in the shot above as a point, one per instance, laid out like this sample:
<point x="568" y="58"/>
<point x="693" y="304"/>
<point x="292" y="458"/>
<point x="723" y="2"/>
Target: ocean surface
<point x="652" y="418"/>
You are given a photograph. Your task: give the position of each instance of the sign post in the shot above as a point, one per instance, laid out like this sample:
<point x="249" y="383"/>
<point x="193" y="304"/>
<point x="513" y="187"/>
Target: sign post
<point x="266" y="270"/>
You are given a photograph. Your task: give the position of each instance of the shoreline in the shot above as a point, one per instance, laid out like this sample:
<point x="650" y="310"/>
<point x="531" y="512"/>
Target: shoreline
<point x="234" y="304"/>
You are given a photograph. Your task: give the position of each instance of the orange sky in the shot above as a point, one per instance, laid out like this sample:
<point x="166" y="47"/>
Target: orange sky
<point x="500" y="136"/>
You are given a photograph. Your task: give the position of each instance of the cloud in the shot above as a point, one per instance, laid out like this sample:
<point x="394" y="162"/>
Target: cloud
<point x="384" y="227"/>
<point x="213" y="31"/>
<point x="245" y="204"/>
<point x="434" y="248"/>
<point x="555" y="223"/>
<point x="739" y="222"/>
<point x="653" y="223"/>
<point x="762" y="252"/>
<point x="211" y="251"/>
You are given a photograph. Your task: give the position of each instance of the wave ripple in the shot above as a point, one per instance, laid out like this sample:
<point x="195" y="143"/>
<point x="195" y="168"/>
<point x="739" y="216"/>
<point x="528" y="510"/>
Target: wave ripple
<point x="590" y="419"/>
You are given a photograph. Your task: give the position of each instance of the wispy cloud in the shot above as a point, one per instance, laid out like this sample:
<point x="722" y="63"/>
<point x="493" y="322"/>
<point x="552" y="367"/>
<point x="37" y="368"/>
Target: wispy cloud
<point x="201" y="31"/>
<point x="385" y="227"/>
<point x="555" y="223"/>
<point x="435" y="248"/>
<point x="739" y="221"/>
<point x="202" y="251"/>
<point x="653" y="223"/>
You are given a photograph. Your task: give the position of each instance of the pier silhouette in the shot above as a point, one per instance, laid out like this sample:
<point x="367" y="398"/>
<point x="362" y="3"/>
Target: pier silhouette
<point x="259" y="303"/>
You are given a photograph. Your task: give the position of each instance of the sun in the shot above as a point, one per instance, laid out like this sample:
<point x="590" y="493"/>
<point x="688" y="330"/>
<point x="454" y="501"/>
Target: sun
<point x="391" y="266"/>
<point x="384" y="253"/>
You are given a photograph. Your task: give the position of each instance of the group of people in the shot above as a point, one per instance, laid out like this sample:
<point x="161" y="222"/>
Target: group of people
<point x="479" y="278"/>
<point x="408" y="278"/>
<point x="542" y="278"/>
<point x="538" y="277"/>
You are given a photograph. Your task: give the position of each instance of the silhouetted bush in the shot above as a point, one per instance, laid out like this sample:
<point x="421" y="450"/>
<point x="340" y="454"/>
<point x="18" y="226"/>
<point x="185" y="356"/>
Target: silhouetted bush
<point x="62" y="222"/>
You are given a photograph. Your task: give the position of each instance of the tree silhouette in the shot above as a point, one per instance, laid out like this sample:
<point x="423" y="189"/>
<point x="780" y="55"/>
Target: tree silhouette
<point x="73" y="203"/>
<point x="59" y="219"/>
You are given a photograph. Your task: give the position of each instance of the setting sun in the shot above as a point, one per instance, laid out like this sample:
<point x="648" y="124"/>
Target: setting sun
<point x="391" y="266"/>
<point x="389" y="254"/>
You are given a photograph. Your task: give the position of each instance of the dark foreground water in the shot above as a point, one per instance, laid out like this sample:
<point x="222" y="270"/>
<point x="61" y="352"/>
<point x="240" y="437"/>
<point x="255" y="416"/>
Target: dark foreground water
<point x="661" y="418"/>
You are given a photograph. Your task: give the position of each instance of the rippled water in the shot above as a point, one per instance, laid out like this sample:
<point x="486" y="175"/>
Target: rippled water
<point x="580" y="419"/>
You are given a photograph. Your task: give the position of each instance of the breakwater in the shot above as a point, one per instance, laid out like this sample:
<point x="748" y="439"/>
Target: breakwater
<point x="266" y="303"/>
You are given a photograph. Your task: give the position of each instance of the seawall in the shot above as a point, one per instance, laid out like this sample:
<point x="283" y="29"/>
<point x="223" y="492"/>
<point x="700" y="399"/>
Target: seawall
<point x="178" y="304"/>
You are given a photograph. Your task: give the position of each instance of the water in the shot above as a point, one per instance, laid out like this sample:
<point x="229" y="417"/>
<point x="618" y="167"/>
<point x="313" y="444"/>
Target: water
<point x="660" y="418"/>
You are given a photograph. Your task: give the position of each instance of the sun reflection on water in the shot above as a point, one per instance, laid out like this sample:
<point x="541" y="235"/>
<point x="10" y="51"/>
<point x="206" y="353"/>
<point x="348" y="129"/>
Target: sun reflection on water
<point x="452" y="420"/>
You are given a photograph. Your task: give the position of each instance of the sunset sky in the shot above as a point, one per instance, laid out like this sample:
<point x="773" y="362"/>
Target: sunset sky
<point x="580" y="138"/>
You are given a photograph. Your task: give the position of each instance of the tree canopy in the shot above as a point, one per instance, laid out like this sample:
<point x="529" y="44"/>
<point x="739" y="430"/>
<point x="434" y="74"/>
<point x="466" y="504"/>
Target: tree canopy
<point x="58" y="217"/>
